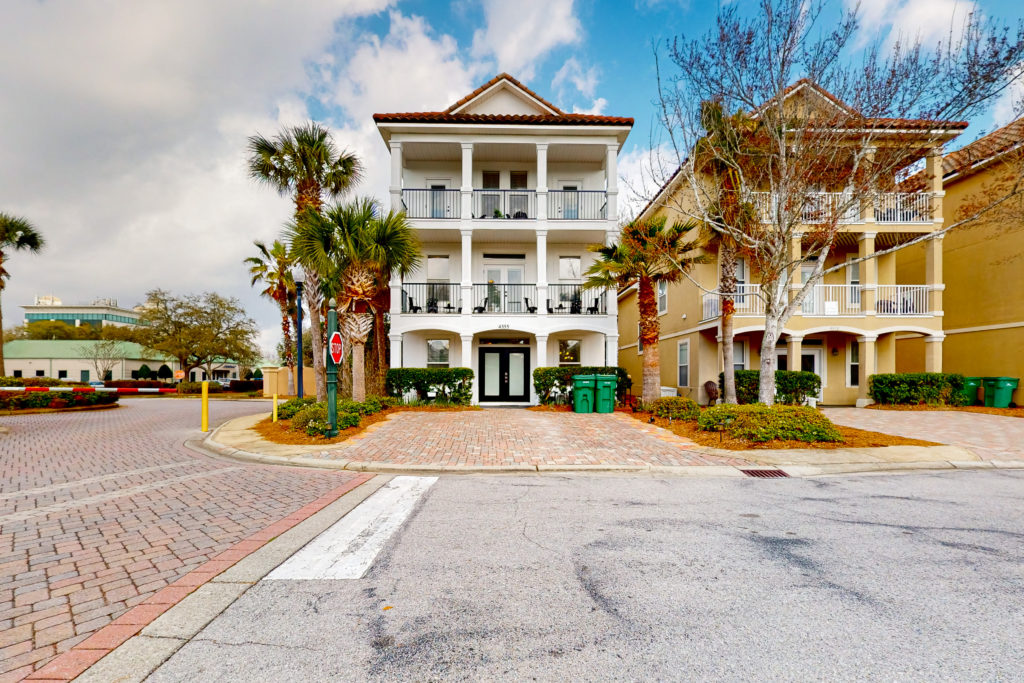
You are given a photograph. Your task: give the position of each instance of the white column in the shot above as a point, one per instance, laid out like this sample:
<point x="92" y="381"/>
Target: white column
<point x="396" y="175"/>
<point x="467" y="180"/>
<point x="867" y="368"/>
<point x="467" y="272"/>
<point x="542" y="271"/>
<point x="868" y="273"/>
<point x="794" y="350"/>
<point x="396" y="296"/>
<point x="542" y="181"/>
<point x="542" y="351"/>
<point x="396" y="350"/>
<point x="611" y="349"/>
<point x="933" y="274"/>
<point x="611" y="170"/>
<point x="933" y="353"/>
<point x="467" y="351"/>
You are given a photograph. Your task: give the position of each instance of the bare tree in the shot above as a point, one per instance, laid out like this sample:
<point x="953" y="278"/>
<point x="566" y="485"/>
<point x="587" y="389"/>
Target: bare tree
<point x="104" y="355"/>
<point x="779" y="130"/>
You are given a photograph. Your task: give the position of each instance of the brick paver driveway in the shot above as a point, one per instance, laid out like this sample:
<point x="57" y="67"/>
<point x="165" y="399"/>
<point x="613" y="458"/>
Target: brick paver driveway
<point x="512" y="436"/>
<point x="99" y="510"/>
<point x="990" y="437"/>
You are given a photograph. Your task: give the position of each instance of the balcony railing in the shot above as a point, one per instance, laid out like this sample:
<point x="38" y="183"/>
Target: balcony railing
<point x="431" y="297"/>
<point x="516" y="204"/>
<point x="745" y="302"/>
<point x="569" y="299"/>
<point x="832" y="300"/>
<point x="432" y="203"/>
<point x="504" y="298"/>
<point x="577" y="205"/>
<point x="902" y="300"/>
<point x="822" y="207"/>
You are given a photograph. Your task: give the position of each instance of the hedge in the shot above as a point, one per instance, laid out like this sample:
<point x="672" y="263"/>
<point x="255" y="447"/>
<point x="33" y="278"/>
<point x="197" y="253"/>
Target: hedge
<point x="675" y="408"/>
<point x="760" y="423"/>
<point x="244" y="385"/>
<point x="554" y="385"/>
<point x="11" y="400"/>
<point x="287" y="410"/>
<point x="197" y="388"/>
<point x="133" y="384"/>
<point x="38" y="382"/>
<point x="916" y="388"/>
<point x="449" y="385"/>
<point x="792" y="387"/>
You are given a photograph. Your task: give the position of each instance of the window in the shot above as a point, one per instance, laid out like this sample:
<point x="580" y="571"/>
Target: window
<point x="853" y="279"/>
<point x="517" y="180"/>
<point x="662" y="297"/>
<point x="569" y="268"/>
<point x="639" y="340"/>
<point x="739" y="355"/>
<point x="569" y="351"/>
<point x="17" y="373"/>
<point x="39" y="373"/>
<point x="437" y="353"/>
<point x="684" y="363"/>
<point x="492" y="180"/>
<point x="84" y="375"/>
<point x="854" y="356"/>
<point x="438" y="198"/>
<point x="62" y="374"/>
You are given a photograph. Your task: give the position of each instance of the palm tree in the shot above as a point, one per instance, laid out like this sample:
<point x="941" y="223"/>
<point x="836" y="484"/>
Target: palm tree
<point x="16" y="234"/>
<point x="304" y="163"/>
<point x="272" y="269"/>
<point x="648" y="252"/>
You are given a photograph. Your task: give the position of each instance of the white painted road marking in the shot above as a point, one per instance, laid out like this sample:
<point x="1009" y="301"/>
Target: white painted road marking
<point x="348" y="548"/>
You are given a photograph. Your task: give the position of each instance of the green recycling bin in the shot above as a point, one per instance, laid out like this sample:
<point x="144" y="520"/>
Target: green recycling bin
<point x="583" y="393"/>
<point x="970" y="390"/>
<point x="999" y="391"/>
<point x="604" y="394"/>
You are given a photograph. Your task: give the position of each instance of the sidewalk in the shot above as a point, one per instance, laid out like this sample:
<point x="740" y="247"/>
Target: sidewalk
<point x="518" y="441"/>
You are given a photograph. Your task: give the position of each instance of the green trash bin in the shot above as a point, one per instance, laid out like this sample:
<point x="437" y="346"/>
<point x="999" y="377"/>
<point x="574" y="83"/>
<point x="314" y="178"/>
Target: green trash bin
<point x="999" y="391"/>
<point x="604" y="394"/>
<point x="583" y="393"/>
<point x="970" y="390"/>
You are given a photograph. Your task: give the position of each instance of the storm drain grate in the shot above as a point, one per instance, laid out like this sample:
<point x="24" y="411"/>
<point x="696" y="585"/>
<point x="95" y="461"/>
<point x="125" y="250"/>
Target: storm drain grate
<point x="765" y="474"/>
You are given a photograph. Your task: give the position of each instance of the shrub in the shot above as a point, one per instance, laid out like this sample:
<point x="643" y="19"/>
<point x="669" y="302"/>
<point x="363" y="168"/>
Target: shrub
<point x="243" y="385"/>
<point x="792" y="387"/>
<point x="37" y="382"/>
<point x="133" y="384"/>
<point x="10" y="400"/>
<point x="346" y="420"/>
<point x="197" y="388"/>
<point x="449" y="385"/>
<point x="368" y="407"/>
<point x="675" y="408"/>
<point x="287" y="410"/>
<point x="389" y="401"/>
<point x="554" y="385"/>
<point x="308" y="413"/>
<point x="761" y="423"/>
<point x="934" y="388"/>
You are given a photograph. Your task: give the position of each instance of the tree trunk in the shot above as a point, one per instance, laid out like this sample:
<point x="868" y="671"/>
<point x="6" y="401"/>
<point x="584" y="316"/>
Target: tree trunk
<point x="289" y="356"/>
<point x="766" y="384"/>
<point x="3" y="372"/>
<point x="358" y="372"/>
<point x="649" y="333"/>
<point x="727" y="255"/>
<point x="313" y="296"/>
<point x="776" y="314"/>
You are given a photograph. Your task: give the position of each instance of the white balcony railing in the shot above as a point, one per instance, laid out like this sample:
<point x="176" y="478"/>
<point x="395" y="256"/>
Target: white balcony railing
<point x="832" y="300"/>
<point x="745" y="302"/>
<point x="903" y="207"/>
<point x="822" y="207"/>
<point x="902" y="300"/>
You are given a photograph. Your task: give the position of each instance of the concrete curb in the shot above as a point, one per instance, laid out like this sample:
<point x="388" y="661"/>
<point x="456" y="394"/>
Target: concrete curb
<point x="952" y="458"/>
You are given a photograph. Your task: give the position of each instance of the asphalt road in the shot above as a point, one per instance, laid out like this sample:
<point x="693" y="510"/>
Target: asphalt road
<point x="914" y="577"/>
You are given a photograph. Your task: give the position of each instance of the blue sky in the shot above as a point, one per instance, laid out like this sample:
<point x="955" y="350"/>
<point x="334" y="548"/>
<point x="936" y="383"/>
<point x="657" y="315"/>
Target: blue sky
<point x="129" y="129"/>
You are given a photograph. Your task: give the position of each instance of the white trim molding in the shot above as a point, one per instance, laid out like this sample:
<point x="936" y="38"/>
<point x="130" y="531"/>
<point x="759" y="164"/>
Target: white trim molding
<point x="985" y="328"/>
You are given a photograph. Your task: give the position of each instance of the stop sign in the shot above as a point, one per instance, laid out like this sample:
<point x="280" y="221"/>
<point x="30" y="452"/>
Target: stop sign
<point x="334" y="347"/>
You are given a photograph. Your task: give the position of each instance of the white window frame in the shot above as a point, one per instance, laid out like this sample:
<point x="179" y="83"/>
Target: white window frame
<point x="658" y="295"/>
<point x="578" y="363"/>
<point x="448" y="363"/>
<point x="741" y="267"/>
<point x="743" y="357"/>
<point x="448" y="273"/>
<point x="570" y="280"/>
<point x="849" y="363"/>
<point x="684" y="343"/>
<point x="855" y="295"/>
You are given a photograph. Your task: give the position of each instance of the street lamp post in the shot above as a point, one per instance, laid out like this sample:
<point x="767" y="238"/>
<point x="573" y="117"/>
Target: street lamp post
<point x="299" y="276"/>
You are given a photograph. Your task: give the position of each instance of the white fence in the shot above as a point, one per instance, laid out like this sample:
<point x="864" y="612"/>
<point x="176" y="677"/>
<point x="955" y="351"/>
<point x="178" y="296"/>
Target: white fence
<point x="823" y="207"/>
<point x="899" y="300"/>
<point x="832" y="300"/>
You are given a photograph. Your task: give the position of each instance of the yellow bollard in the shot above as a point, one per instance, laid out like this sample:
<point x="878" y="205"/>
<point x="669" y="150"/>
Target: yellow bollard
<point x="275" y="408"/>
<point x="206" y="406"/>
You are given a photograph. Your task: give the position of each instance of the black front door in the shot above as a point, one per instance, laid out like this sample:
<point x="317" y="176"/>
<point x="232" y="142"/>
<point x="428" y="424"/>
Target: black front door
<point x="504" y="374"/>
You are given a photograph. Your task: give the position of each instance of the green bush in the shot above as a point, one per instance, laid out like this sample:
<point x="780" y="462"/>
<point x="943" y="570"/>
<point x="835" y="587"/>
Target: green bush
<point x="287" y="410"/>
<point x="197" y="388"/>
<point x="554" y="385"/>
<point x="792" y="387"/>
<point x="308" y="413"/>
<point x="675" y="408"/>
<point x="449" y="385"/>
<point x="16" y="400"/>
<point x="760" y="423"/>
<point x="346" y="420"/>
<point x="934" y="388"/>
<point x="38" y="382"/>
<point x="389" y="401"/>
<point x="134" y="384"/>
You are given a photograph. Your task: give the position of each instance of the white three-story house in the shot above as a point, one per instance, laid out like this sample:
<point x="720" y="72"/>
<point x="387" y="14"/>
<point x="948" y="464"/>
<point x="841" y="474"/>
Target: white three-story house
<point x="506" y="191"/>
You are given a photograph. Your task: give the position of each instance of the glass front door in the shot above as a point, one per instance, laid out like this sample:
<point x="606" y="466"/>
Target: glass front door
<point x="504" y="374"/>
<point x="505" y="289"/>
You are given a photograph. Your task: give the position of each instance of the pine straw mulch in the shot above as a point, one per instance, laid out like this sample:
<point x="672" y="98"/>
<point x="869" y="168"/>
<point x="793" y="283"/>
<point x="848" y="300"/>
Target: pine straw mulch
<point x="281" y="431"/>
<point x="1005" y="412"/>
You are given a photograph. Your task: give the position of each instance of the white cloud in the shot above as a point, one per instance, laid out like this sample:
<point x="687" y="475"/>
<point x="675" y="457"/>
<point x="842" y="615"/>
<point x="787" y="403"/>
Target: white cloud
<point x="1010" y="104"/>
<point x="929" y="21"/>
<point x="518" y="34"/>
<point x="584" y="80"/>
<point x="596" y="107"/>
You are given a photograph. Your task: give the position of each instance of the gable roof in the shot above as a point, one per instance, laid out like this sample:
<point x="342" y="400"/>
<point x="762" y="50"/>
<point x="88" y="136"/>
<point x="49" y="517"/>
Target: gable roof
<point x="456" y="114"/>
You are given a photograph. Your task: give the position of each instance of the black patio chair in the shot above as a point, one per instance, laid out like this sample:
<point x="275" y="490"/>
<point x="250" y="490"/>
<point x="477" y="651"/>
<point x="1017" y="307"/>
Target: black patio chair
<point x="413" y="308"/>
<point x="592" y="310"/>
<point x="549" y="306"/>
<point x="529" y="308"/>
<point x="431" y="305"/>
<point x="576" y="307"/>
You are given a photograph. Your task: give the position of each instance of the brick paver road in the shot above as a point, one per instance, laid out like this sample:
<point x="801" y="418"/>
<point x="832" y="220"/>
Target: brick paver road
<point x="99" y="510"/>
<point x="990" y="437"/>
<point x="511" y="436"/>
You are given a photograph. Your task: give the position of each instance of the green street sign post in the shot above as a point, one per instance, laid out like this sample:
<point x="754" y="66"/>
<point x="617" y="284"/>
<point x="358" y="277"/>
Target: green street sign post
<point x="334" y="348"/>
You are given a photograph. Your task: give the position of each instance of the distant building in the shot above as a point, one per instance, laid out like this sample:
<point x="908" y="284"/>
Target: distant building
<point x="72" y="359"/>
<point x="97" y="313"/>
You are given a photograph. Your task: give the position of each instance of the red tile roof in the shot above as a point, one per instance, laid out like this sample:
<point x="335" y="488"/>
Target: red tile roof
<point x="560" y="118"/>
<point x="970" y="158"/>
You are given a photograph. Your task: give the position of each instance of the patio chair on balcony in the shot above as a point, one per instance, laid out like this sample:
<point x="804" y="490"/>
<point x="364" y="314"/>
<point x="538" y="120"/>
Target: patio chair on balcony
<point x="593" y="310"/>
<point x="576" y="307"/>
<point x="529" y="308"/>
<point x="413" y="308"/>
<point x="431" y="305"/>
